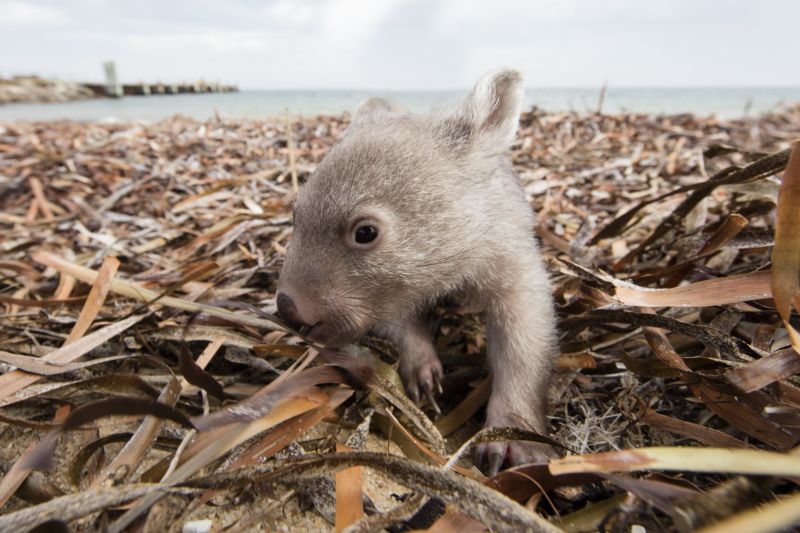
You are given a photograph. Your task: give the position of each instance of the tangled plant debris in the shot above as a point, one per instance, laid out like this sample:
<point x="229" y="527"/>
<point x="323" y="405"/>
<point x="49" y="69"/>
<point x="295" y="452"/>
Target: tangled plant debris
<point x="142" y="363"/>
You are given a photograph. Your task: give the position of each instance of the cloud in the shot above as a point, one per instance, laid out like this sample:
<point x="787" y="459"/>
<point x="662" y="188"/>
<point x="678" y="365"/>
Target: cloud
<point x="29" y="14"/>
<point x="406" y="44"/>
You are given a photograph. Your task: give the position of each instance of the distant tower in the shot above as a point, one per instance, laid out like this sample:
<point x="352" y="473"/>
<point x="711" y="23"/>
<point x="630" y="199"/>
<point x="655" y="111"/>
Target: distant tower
<point x="113" y="87"/>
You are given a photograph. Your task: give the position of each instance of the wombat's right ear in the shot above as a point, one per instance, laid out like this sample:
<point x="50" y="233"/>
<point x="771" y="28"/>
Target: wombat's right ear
<point x="490" y="114"/>
<point x="371" y="110"/>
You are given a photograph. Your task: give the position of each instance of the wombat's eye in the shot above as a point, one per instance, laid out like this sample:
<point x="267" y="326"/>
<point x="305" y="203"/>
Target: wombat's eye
<point x="366" y="234"/>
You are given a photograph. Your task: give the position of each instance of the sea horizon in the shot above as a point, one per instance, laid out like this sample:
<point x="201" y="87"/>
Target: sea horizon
<point x="723" y="102"/>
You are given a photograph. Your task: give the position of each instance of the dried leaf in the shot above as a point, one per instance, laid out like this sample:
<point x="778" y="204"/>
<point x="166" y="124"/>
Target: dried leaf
<point x="349" y="506"/>
<point x="705" y="435"/>
<point x="786" y="252"/>
<point x="133" y="453"/>
<point x="677" y="458"/>
<point x="721" y="291"/>
<point x="17" y="380"/>
<point x="470" y="405"/>
<point x="131" y="290"/>
<point x="95" y="300"/>
<point x="765" y="371"/>
<point x="19" y="472"/>
<point x="775" y="516"/>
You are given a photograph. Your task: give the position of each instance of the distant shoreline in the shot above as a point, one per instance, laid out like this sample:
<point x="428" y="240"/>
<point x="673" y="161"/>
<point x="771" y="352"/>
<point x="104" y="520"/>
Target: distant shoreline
<point x="33" y="89"/>
<point x="259" y="104"/>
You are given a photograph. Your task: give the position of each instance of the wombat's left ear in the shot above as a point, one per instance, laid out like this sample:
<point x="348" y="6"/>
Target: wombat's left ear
<point x="491" y="112"/>
<point x="373" y="109"/>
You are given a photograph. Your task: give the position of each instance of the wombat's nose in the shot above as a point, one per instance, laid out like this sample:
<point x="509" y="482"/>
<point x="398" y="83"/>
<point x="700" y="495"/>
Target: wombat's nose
<point x="287" y="310"/>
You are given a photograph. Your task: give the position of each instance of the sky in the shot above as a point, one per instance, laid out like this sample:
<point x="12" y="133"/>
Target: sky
<point x="407" y="44"/>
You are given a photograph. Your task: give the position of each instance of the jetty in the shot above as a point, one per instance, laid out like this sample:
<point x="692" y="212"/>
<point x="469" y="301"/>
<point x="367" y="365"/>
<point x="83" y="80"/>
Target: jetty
<point x="145" y="89"/>
<point x="113" y="88"/>
<point x="34" y="89"/>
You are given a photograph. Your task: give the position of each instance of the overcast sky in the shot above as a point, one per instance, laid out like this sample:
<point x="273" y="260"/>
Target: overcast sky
<point x="411" y="44"/>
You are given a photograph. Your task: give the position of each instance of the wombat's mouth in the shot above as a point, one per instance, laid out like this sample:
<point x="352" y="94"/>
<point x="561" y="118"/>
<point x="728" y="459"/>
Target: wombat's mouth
<point x="323" y="319"/>
<point x="331" y="335"/>
<point x="337" y="333"/>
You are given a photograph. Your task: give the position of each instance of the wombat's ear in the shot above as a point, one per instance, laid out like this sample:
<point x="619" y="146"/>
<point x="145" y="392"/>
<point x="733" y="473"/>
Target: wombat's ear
<point x="372" y="110"/>
<point x="491" y="112"/>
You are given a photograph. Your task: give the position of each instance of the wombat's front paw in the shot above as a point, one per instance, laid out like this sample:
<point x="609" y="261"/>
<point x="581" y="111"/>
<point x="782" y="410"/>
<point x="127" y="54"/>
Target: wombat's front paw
<point x="491" y="456"/>
<point x="422" y="375"/>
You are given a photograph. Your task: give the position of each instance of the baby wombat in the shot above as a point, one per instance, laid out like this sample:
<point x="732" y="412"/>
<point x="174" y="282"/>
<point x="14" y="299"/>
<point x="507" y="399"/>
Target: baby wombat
<point x="406" y="210"/>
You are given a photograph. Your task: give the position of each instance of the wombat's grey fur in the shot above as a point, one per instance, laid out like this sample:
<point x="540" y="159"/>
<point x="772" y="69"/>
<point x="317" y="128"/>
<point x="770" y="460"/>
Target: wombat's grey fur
<point x="406" y="210"/>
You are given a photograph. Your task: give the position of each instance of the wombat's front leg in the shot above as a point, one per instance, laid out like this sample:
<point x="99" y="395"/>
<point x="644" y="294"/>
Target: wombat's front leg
<point x="420" y="368"/>
<point x="521" y="341"/>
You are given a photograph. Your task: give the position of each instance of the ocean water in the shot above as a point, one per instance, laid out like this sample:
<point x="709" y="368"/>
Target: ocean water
<point x="722" y="102"/>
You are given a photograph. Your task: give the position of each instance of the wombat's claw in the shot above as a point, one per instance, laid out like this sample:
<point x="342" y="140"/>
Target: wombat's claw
<point x="432" y="400"/>
<point x="510" y="453"/>
<point x="495" y="462"/>
<point x="428" y="385"/>
<point x="425" y="379"/>
<point x="492" y="455"/>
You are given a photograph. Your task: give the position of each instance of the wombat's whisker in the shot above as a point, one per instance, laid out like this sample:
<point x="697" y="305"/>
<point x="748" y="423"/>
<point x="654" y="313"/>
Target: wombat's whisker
<point x="373" y="315"/>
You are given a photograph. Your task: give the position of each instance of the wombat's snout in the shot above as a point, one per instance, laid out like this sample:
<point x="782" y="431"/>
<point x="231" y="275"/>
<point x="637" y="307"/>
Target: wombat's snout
<point x="288" y="312"/>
